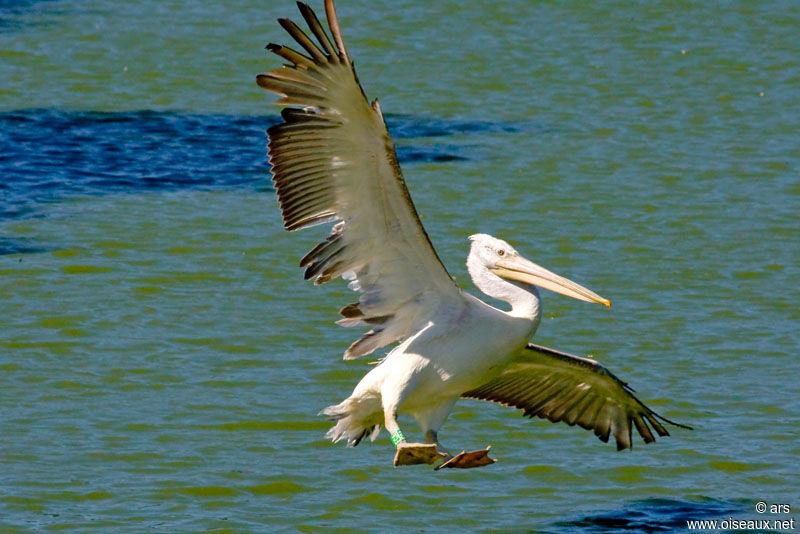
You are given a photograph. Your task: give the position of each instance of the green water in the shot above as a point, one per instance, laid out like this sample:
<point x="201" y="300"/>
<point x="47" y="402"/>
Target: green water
<point x="162" y="362"/>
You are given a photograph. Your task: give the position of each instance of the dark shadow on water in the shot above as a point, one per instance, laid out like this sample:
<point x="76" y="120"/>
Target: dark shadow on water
<point x="17" y="14"/>
<point x="18" y="246"/>
<point x="48" y="154"/>
<point x="407" y="126"/>
<point x="653" y="515"/>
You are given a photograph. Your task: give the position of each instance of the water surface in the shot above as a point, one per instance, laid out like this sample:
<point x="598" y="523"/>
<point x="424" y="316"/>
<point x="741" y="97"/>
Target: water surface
<point x="162" y="362"/>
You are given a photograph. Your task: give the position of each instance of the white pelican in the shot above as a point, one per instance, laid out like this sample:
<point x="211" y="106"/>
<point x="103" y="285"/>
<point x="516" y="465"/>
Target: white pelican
<point x="333" y="161"/>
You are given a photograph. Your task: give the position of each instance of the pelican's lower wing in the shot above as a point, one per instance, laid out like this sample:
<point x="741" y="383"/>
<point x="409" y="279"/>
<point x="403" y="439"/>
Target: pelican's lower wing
<point x="558" y="386"/>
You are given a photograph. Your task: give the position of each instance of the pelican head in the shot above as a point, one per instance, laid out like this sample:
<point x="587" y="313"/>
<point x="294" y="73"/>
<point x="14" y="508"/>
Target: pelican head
<point x="502" y="260"/>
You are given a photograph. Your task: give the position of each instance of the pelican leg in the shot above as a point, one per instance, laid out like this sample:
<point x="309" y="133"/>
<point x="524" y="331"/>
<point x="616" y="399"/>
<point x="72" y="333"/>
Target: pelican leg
<point x="412" y="453"/>
<point x="432" y="438"/>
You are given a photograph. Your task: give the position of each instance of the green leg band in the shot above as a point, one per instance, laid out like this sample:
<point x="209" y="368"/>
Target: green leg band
<point x="397" y="437"/>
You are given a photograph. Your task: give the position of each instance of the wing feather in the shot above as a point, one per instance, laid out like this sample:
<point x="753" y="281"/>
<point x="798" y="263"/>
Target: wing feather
<point x="303" y="40"/>
<point x="560" y="387"/>
<point x="317" y="29"/>
<point x="333" y="161"/>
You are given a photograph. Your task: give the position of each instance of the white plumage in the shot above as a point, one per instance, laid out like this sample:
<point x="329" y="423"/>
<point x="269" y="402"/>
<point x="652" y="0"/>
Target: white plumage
<point x="333" y="160"/>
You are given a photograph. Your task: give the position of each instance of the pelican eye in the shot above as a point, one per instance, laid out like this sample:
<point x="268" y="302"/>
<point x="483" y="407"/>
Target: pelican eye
<point x="501" y="252"/>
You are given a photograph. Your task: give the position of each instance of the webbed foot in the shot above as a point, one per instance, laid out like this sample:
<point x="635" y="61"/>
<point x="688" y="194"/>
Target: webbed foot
<point x="465" y="460"/>
<point x="418" y="453"/>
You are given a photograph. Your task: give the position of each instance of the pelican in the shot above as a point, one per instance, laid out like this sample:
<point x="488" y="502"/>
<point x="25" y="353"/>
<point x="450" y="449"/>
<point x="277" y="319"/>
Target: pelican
<point x="333" y="162"/>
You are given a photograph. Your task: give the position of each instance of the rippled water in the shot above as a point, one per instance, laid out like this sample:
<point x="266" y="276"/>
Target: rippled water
<point x="162" y="362"/>
<point x="50" y="154"/>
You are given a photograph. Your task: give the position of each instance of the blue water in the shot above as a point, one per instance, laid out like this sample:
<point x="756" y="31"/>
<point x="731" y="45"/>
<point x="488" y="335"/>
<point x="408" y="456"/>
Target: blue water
<point x="46" y="154"/>
<point x="652" y="515"/>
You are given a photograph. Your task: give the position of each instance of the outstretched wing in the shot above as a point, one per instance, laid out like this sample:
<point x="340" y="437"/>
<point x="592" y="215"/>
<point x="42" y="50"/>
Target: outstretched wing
<point x="558" y="386"/>
<point x="332" y="160"/>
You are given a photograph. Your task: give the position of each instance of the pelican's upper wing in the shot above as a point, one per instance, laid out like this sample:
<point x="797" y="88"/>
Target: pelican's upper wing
<point x="332" y="160"/>
<point x="558" y="386"/>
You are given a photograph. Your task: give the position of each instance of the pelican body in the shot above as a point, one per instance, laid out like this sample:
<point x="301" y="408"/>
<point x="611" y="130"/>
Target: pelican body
<point x="333" y="161"/>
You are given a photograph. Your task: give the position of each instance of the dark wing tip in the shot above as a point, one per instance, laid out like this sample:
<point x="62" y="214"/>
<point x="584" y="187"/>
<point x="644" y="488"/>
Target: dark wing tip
<point x="351" y="310"/>
<point x="318" y="31"/>
<point x="263" y="81"/>
<point x="673" y="423"/>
